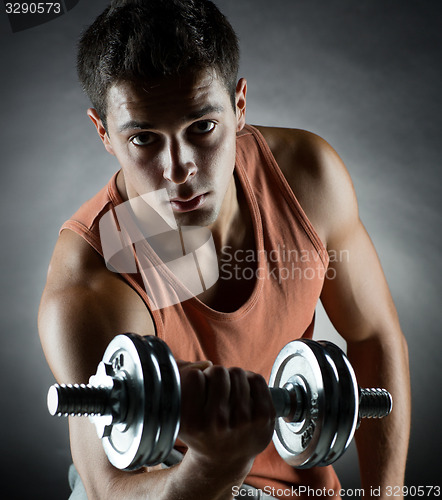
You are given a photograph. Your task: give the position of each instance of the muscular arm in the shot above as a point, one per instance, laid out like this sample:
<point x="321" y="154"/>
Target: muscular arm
<point x="83" y="307"/>
<point x="356" y="297"/>
<point x="360" y="306"/>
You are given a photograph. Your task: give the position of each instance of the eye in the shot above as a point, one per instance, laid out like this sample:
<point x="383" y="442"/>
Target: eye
<point x="143" y="139"/>
<point x="202" y="127"/>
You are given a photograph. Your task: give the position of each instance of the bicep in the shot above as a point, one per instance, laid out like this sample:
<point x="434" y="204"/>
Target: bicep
<point x="83" y="307"/>
<point x="77" y="323"/>
<point x="356" y="296"/>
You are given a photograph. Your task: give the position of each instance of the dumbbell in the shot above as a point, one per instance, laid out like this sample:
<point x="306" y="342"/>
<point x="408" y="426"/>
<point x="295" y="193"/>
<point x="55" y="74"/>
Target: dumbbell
<point x="326" y="406"/>
<point x="134" y="401"/>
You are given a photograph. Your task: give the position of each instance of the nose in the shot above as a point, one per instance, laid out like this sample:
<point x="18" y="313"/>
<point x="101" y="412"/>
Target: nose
<point x="179" y="163"/>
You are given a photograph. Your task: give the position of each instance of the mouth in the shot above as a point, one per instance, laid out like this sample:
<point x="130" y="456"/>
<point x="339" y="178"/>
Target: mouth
<point x="180" y="205"/>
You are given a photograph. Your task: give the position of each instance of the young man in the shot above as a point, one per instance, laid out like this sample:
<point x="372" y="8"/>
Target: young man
<point x="162" y="77"/>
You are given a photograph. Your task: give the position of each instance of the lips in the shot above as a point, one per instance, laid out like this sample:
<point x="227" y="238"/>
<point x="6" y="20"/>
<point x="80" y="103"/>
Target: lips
<point x="181" y="205"/>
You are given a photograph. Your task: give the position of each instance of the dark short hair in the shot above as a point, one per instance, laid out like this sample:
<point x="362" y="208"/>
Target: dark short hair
<point x="142" y="40"/>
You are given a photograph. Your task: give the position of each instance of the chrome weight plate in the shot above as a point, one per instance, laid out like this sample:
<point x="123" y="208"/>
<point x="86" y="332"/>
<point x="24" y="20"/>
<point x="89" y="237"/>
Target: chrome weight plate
<point x="306" y="443"/>
<point x="170" y="401"/>
<point x="131" y="444"/>
<point x="348" y="402"/>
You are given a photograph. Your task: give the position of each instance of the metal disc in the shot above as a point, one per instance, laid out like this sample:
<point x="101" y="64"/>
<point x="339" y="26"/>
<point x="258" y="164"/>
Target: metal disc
<point x="304" y="444"/>
<point x="131" y="444"/>
<point x="348" y="402"/>
<point x="170" y="401"/>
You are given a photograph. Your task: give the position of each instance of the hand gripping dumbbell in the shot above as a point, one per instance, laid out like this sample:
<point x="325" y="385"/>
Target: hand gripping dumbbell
<point x="134" y="401"/>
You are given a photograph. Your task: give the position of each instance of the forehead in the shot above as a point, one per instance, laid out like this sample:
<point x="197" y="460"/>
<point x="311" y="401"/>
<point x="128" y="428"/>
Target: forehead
<point x="167" y="100"/>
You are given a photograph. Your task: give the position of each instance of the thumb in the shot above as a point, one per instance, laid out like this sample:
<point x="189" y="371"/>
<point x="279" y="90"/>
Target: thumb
<point x="194" y="365"/>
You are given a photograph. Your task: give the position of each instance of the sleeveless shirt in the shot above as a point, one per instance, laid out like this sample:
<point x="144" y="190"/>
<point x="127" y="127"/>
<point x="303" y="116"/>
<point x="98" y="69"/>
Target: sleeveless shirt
<point x="289" y="275"/>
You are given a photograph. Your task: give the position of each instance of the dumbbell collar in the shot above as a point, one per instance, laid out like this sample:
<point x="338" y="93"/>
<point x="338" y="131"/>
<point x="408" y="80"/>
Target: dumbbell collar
<point x="116" y="411"/>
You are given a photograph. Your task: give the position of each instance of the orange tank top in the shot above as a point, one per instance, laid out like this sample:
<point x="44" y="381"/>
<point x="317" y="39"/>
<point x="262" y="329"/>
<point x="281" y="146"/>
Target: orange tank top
<point x="289" y="275"/>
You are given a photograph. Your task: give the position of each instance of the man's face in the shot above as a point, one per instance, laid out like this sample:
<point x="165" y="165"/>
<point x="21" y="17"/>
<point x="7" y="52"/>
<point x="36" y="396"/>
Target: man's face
<point x="179" y="135"/>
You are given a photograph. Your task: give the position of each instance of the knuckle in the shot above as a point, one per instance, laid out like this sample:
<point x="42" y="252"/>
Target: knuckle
<point x="257" y="381"/>
<point x="217" y="372"/>
<point x="238" y="381"/>
<point x="236" y="372"/>
<point x="192" y="379"/>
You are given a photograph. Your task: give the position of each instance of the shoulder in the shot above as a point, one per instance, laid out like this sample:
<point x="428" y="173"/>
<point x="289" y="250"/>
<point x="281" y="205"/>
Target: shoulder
<point x="84" y="305"/>
<point x="288" y="144"/>
<point x="317" y="176"/>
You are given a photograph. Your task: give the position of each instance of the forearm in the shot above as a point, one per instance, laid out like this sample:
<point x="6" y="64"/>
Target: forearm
<point x="201" y="477"/>
<point x="383" y="444"/>
<point x="188" y="480"/>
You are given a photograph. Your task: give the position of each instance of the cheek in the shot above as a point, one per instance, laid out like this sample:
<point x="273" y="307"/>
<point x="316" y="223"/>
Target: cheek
<point x="135" y="159"/>
<point x="228" y="159"/>
<point x="142" y="174"/>
<point x="223" y="156"/>
<point x="129" y="155"/>
<point x="218" y="166"/>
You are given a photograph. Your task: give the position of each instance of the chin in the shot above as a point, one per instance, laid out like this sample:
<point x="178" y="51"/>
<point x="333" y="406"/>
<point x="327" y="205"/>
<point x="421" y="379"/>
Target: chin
<point x="200" y="218"/>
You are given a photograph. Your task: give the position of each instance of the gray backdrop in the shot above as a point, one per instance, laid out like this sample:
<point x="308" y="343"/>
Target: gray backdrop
<point x="365" y="75"/>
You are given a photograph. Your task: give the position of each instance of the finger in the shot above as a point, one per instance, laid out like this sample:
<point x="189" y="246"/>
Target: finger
<point x="261" y="400"/>
<point x="218" y="391"/>
<point x="240" y="403"/>
<point x="193" y="391"/>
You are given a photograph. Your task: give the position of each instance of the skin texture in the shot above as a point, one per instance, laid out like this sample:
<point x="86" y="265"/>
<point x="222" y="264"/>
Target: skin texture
<point x="170" y="144"/>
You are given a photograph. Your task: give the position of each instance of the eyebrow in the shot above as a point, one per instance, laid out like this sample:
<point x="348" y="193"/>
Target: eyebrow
<point x="210" y="108"/>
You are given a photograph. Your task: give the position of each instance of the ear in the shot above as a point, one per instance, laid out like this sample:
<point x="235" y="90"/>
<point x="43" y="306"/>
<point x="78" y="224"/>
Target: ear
<point x="241" y="91"/>
<point x="96" y="120"/>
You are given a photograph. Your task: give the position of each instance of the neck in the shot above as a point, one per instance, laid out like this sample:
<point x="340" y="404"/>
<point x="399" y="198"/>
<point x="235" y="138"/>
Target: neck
<point x="231" y="227"/>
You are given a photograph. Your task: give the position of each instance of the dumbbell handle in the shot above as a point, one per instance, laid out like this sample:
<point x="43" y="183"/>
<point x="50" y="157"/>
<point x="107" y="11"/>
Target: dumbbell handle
<point x="289" y="402"/>
<point x="79" y="400"/>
